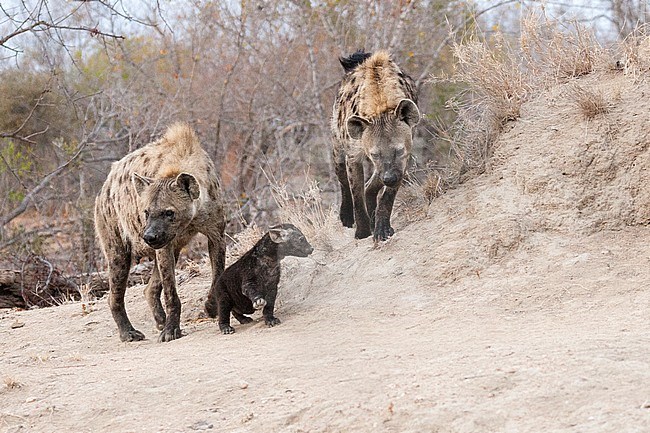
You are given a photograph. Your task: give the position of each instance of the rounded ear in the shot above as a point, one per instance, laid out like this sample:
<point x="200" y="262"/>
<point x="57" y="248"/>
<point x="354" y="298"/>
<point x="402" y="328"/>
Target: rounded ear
<point x="408" y="112"/>
<point x="140" y="182"/>
<point x="278" y="235"/>
<point x="356" y="125"/>
<point x="189" y="184"/>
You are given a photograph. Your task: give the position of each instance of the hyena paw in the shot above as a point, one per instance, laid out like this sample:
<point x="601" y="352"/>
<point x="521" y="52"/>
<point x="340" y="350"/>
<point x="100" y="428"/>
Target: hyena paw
<point x="160" y="321"/>
<point x="273" y="321"/>
<point x="362" y="232"/>
<point x="132" y="335"/>
<point x="347" y="220"/>
<point x="383" y="232"/>
<point x="169" y="334"/>
<point x="259" y="303"/>
<point x="226" y="329"/>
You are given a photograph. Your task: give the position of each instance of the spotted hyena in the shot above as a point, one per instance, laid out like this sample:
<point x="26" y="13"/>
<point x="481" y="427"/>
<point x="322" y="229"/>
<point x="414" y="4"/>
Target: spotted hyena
<point x="153" y="202"/>
<point x="373" y="117"/>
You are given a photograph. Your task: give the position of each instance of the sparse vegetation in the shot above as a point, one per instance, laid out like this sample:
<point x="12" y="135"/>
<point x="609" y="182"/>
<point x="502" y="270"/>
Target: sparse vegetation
<point x="307" y="211"/>
<point x="591" y="102"/>
<point x="501" y="73"/>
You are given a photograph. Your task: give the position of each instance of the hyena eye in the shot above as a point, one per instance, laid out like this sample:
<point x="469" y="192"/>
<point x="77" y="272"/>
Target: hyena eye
<point x="399" y="152"/>
<point x="375" y="155"/>
<point x="169" y="213"/>
<point x="146" y="214"/>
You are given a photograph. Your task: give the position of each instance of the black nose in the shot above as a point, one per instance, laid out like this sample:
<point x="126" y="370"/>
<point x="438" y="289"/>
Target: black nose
<point x="150" y="238"/>
<point x="390" y="178"/>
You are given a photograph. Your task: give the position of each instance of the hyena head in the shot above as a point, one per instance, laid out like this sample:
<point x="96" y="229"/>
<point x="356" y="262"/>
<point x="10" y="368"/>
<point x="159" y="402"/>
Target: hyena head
<point x="387" y="139"/>
<point x="169" y="205"/>
<point x="290" y="240"/>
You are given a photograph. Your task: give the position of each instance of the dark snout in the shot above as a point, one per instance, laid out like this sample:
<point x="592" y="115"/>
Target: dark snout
<point x="304" y="250"/>
<point x="391" y="178"/>
<point x="154" y="238"/>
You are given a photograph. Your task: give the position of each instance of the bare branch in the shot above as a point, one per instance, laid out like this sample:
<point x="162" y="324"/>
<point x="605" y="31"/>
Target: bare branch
<point x="24" y="204"/>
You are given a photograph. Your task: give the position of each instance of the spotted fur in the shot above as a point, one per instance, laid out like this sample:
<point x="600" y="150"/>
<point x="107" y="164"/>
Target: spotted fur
<point x="373" y="116"/>
<point x="153" y="202"/>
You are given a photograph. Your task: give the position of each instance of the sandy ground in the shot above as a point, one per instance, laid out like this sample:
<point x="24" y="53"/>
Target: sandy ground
<point x="554" y="338"/>
<point x="520" y="303"/>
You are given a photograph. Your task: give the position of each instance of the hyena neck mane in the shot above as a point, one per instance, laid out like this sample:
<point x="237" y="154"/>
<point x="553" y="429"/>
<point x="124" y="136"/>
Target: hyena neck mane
<point x="353" y="60"/>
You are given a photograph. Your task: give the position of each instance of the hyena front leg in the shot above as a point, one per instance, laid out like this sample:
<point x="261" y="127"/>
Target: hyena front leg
<point x="373" y="186"/>
<point x="118" y="275"/>
<point x="346" y="214"/>
<point x="268" y="310"/>
<point x="166" y="265"/>
<point x="355" y="174"/>
<point x="152" y="293"/>
<point x="383" y="230"/>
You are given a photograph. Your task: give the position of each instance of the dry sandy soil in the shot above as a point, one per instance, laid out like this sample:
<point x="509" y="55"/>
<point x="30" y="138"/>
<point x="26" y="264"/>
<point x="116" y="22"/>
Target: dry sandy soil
<point x="520" y="303"/>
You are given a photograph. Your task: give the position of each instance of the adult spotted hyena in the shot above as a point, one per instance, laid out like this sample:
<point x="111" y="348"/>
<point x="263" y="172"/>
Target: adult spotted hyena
<point x="153" y="202"/>
<point x="373" y="117"/>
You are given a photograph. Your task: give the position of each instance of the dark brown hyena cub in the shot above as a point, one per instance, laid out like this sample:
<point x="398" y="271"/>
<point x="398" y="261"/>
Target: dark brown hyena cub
<point x="252" y="281"/>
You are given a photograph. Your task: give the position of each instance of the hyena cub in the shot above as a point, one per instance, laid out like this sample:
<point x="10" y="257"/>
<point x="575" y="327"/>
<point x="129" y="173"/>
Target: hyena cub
<point x="373" y="117"/>
<point x="252" y="281"/>
<point x="153" y="202"/>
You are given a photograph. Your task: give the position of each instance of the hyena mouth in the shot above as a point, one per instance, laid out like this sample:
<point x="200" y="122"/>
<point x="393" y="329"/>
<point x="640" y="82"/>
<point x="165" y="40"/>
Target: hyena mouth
<point x="157" y="243"/>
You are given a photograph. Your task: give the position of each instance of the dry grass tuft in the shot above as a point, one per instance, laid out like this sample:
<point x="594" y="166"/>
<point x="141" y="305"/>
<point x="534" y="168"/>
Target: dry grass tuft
<point x="412" y="203"/>
<point x="590" y="102"/>
<point x="306" y="211"/>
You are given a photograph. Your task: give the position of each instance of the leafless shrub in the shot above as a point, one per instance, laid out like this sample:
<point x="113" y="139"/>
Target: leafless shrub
<point x="492" y="71"/>
<point x="554" y="51"/>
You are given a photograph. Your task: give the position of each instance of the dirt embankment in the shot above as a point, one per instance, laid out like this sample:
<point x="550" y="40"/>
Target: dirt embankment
<point x="521" y="303"/>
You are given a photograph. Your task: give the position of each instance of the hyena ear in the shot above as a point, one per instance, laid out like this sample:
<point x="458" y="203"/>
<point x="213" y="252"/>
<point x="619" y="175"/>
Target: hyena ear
<point x="188" y="183"/>
<point x="140" y="182"/>
<point x="278" y="234"/>
<point x="408" y="112"/>
<point x="356" y="126"/>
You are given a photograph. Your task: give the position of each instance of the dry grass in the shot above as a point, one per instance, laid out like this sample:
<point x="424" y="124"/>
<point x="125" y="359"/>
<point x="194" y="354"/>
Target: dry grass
<point x="242" y="242"/>
<point x="305" y="210"/>
<point x="634" y="52"/>
<point x="493" y="74"/>
<point x="591" y="102"/>
<point x="500" y="74"/>
<point x="554" y="51"/>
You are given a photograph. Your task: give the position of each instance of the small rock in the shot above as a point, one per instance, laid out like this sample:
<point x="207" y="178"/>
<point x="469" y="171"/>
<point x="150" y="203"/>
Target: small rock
<point x="243" y="385"/>
<point x="201" y="425"/>
<point x="17" y="325"/>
